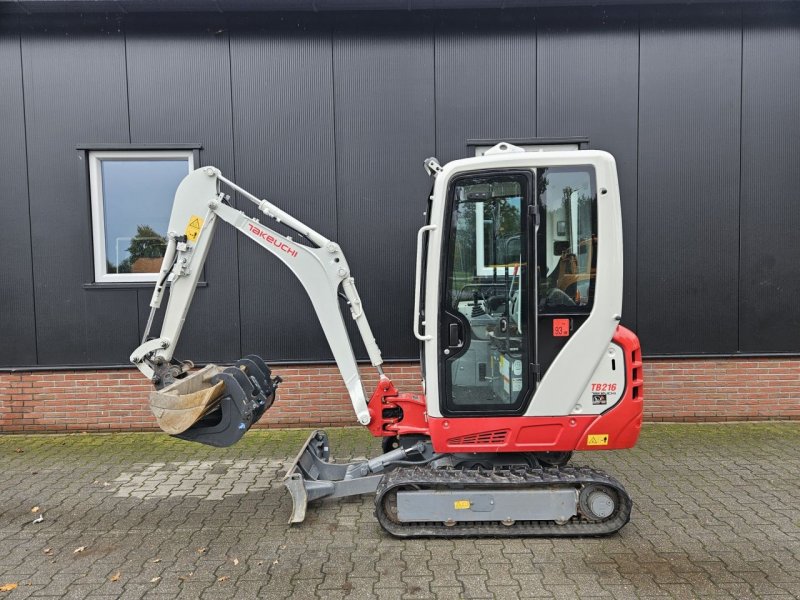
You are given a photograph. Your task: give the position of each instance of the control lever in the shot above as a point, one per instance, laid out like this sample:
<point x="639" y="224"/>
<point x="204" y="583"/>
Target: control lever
<point x="477" y="309"/>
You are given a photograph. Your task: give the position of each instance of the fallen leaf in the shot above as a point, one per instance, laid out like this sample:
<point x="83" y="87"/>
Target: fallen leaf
<point x="35" y="509"/>
<point x="115" y="576"/>
<point x="185" y="577"/>
<point x="156" y="560"/>
<point x="155" y="580"/>
<point x="223" y="578"/>
<point x="202" y="550"/>
<point x="47" y="551"/>
<point x="18" y="451"/>
<point x="38" y="519"/>
<point x="235" y="561"/>
<point x="7" y="587"/>
<point x="79" y="549"/>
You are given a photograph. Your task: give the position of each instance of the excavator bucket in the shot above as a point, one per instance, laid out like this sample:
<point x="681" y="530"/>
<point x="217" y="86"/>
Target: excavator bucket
<point x="215" y="405"/>
<point x="179" y="406"/>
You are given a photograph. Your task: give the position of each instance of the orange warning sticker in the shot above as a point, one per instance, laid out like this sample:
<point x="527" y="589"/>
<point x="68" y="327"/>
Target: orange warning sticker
<point x="597" y="439"/>
<point x="193" y="228"/>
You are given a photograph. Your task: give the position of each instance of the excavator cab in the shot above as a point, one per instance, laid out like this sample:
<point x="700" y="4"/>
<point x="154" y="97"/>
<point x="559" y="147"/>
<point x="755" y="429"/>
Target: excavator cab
<point x="517" y="307"/>
<point x="517" y="254"/>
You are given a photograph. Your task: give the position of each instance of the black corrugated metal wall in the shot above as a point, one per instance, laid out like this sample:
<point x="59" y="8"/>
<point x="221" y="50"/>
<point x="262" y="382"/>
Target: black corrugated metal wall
<point x="331" y="116"/>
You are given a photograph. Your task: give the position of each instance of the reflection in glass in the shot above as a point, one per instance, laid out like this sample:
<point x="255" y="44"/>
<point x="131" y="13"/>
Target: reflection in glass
<point x="485" y="302"/>
<point x="567" y="239"/>
<point x="137" y="200"/>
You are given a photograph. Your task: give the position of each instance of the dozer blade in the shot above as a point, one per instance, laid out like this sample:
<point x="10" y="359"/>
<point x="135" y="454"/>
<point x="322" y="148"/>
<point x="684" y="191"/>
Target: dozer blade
<point x="314" y="450"/>
<point x="215" y="405"/>
<point x="310" y="476"/>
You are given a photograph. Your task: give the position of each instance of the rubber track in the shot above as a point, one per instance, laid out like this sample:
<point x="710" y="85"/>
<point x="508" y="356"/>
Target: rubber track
<point x="518" y="478"/>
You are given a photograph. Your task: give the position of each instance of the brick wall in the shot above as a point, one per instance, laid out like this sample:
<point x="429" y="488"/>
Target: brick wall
<point x="675" y="390"/>
<point x="730" y="389"/>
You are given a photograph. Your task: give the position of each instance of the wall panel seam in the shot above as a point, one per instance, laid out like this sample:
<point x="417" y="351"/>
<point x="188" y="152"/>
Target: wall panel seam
<point x="536" y="75"/>
<point x="434" y="34"/>
<point x="28" y="192"/>
<point x="739" y="206"/>
<point x="335" y="141"/>
<point x="127" y="82"/>
<point x="638" y="143"/>
<point x="237" y="238"/>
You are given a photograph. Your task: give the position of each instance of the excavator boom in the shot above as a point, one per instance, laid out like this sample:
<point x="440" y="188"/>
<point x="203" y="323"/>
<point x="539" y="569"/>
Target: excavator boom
<point x="321" y="268"/>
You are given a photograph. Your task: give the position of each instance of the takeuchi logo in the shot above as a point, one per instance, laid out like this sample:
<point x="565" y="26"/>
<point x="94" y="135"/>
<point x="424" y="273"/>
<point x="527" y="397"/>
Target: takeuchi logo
<point x="271" y="239"/>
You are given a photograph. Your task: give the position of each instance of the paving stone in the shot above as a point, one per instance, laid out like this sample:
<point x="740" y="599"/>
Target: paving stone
<point x="715" y="516"/>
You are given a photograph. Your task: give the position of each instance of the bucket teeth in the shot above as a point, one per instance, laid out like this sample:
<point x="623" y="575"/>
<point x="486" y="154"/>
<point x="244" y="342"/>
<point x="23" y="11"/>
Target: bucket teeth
<point x="216" y="406"/>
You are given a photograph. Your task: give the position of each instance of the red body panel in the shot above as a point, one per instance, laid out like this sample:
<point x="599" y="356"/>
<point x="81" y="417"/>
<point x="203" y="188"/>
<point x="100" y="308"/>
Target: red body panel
<point x="387" y="420"/>
<point x="614" y="429"/>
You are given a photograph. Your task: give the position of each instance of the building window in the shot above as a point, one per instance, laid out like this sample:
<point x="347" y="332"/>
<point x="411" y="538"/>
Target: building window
<point x="132" y="194"/>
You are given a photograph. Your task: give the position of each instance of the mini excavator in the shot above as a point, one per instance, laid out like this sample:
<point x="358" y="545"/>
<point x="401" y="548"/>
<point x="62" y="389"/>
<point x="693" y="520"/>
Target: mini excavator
<point x="517" y="307"/>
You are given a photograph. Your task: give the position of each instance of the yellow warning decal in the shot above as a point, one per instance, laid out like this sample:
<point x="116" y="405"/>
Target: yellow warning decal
<point x="461" y="504"/>
<point x="193" y="228"/>
<point x="597" y="439"/>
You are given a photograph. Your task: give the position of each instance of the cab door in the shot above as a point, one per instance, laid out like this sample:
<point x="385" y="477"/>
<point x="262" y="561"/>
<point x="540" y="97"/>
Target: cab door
<point x="487" y="325"/>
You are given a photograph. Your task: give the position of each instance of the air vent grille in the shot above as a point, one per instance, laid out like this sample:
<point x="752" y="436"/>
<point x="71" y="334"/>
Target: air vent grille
<point x="484" y="437"/>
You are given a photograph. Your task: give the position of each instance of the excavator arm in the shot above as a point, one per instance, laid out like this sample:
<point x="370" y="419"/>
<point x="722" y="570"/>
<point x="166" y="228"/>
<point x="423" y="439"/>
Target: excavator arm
<point x="321" y="268"/>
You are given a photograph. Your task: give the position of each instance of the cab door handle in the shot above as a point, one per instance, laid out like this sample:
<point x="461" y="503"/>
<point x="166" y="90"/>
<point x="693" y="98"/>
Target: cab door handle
<point x="455" y="340"/>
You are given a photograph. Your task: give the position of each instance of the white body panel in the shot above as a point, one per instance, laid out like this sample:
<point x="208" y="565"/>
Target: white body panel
<point x="606" y="386"/>
<point x="563" y="385"/>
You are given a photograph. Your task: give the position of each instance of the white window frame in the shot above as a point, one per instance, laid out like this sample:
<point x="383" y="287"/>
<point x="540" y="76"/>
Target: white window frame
<point x="98" y="215"/>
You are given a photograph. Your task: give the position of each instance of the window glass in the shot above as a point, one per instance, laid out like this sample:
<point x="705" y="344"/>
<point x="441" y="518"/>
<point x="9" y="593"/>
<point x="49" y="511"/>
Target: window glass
<point x="567" y="239"/>
<point x="132" y="202"/>
<point x="484" y="326"/>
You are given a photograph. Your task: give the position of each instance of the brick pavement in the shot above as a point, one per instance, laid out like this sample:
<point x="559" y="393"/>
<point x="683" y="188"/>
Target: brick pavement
<point x="716" y="515"/>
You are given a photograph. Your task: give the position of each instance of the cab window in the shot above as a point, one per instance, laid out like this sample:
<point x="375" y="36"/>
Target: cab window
<point x="567" y="239"/>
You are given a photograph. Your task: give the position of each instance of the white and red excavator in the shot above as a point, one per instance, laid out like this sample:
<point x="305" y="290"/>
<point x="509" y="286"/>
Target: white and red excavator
<point x="517" y="306"/>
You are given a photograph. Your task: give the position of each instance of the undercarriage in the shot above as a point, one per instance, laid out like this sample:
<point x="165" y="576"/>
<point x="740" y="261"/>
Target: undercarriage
<point x="422" y="494"/>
